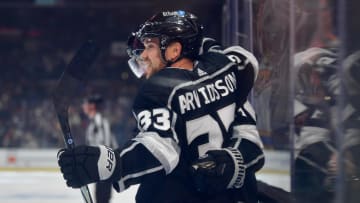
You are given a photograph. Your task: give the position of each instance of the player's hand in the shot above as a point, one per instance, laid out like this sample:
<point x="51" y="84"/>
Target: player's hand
<point x="208" y="45"/>
<point x="217" y="171"/>
<point x="87" y="164"/>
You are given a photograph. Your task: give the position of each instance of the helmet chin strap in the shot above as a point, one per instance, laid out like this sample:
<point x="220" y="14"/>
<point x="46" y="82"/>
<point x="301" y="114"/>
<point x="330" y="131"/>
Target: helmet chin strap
<point x="170" y="62"/>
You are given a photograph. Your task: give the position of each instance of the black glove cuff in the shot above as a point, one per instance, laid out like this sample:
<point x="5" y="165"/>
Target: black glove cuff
<point x="237" y="181"/>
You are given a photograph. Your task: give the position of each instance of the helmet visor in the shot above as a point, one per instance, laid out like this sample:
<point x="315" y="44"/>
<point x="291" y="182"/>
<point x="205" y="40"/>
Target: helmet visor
<point x="137" y="66"/>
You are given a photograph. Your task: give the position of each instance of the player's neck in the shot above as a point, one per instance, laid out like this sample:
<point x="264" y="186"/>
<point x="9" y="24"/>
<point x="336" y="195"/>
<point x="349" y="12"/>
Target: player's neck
<point x="184" y="63"/>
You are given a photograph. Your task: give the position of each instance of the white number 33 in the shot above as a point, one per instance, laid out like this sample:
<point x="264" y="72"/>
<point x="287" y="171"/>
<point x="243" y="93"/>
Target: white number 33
<point x="159" y="118"/>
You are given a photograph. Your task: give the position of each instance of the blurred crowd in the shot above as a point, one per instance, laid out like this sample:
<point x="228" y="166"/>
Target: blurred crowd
<point x="32" y="59"/>
<point x="27" y="116"/>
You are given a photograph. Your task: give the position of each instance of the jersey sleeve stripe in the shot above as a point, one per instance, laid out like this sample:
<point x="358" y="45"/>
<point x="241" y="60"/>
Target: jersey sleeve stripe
<point x="248" y="132"/>
<point x="164" y="149"/>
<point x="248" y="108"/>
<point x="213" y="48"/>
<point x="121" y="182"/>
<point x="128" y="149"/>
<point x="248" y="55"/>
<point x="255" y="161"/>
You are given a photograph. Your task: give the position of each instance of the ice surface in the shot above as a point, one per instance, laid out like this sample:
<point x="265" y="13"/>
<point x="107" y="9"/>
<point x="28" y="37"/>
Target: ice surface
<point x="49" y="187"/>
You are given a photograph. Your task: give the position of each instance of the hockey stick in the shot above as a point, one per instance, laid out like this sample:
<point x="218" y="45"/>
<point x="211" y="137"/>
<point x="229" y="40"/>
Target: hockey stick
<point x="67" y="88"/>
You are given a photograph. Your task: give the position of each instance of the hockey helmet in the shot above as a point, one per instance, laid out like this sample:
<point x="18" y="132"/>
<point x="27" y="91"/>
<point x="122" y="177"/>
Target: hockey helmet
<point x="171" y="26"/>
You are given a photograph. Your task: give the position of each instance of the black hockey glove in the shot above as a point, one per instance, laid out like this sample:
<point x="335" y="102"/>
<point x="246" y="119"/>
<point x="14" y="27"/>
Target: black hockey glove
<point x="219" y="170"/>
<point x="87" y="164"/>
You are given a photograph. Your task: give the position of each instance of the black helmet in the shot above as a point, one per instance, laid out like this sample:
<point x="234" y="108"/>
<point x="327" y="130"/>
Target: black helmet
<point x="170" y="26"/>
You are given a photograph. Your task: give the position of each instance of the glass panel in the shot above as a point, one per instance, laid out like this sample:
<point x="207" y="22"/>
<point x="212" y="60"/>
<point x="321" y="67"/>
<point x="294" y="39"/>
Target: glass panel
<point x="325" y="166"/>
<point x="348" y="134"/>
<point x="271" y="45"/>
<point x="316" y="88"/>
<point x="271" y="91"/>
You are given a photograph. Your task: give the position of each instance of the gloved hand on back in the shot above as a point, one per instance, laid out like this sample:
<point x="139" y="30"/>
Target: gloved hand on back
<point x="218" y="170"/>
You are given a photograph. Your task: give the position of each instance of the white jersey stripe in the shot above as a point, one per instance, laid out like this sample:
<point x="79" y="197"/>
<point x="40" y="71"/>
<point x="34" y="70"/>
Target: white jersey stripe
<point x="165" y="150"/>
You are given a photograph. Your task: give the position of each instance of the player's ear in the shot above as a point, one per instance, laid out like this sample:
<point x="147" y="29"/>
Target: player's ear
<point x="173" y="51"/>
<point x="177" y="48"/>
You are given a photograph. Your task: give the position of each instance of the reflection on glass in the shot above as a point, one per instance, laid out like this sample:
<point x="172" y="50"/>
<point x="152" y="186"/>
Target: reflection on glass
<point x="351" y="127"/>
<point x="316" y="90"/>
<point x="351" y="110"/>
<point x="271" y="88"/>
<point x="325" y="117"/>
<point x="315" y="99"/>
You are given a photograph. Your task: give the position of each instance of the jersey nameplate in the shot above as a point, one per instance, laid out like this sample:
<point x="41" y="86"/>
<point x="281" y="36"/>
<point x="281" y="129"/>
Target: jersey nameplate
<point x="208" y="93"/>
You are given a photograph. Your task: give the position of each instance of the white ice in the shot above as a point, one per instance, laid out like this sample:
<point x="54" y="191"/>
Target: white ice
<point x="49" y="187"/>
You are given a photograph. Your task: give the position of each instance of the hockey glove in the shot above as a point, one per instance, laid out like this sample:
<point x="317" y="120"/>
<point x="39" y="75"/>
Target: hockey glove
<point x="87" y="164"/>
<point x="219" y="170"/>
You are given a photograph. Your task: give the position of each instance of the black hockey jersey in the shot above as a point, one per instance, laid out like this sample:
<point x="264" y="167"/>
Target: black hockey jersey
<point x="182" y="114"/>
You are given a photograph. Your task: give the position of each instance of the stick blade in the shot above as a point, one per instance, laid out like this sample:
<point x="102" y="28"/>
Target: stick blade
<point x="83" y="59"/>
<point x="74" y="75"/>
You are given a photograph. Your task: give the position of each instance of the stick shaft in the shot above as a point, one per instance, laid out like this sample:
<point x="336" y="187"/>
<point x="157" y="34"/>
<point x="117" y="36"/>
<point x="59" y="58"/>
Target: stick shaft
<point x="67" y="88"/>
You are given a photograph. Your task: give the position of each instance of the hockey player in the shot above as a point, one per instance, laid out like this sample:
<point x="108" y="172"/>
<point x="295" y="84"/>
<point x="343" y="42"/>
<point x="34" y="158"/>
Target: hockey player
<point x="197" y="140"/>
